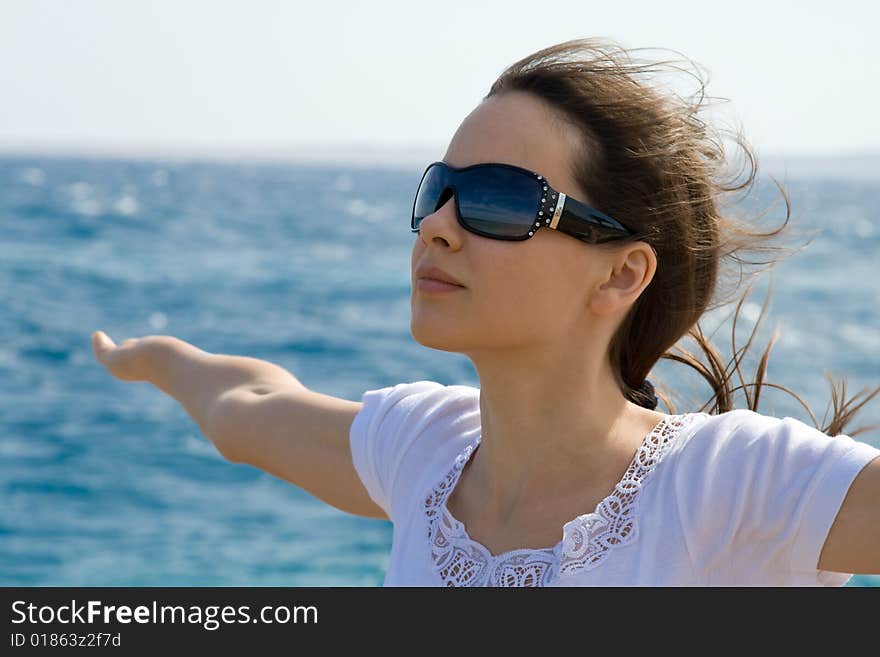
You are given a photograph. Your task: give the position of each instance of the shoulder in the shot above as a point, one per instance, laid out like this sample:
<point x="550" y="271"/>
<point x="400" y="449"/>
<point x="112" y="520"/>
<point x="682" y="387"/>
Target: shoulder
<point x="744" y="446"/>
<point x="417" y="401"/>
<point x="706" y="436"/>
<point x="741" y="430"/>
<point x="395" y="417"/>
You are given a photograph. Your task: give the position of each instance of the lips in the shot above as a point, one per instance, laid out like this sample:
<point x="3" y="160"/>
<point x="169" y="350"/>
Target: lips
<point x="437" y="274"/>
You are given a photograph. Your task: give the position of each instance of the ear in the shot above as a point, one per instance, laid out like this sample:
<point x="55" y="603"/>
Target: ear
<point x="629" y="271"/>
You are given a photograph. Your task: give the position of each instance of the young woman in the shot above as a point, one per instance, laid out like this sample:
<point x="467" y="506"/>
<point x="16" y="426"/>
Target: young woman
<point x="575" y="221"/>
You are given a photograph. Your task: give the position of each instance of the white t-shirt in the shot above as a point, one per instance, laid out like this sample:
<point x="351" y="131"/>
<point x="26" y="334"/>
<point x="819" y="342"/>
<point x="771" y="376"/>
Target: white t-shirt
<point x="736" y="499"/>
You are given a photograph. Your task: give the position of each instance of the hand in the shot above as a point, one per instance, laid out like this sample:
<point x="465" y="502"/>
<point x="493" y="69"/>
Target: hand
<point x="132" y="359"/>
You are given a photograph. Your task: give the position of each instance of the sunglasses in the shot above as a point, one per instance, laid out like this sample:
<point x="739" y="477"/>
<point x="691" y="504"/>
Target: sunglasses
<point x="506" y="202"/>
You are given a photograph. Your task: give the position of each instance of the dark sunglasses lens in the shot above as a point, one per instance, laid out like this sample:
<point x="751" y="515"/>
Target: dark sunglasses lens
<point x="499" y="201"/>
<point x="428" y="195"/>
<point x="494" y="201"/>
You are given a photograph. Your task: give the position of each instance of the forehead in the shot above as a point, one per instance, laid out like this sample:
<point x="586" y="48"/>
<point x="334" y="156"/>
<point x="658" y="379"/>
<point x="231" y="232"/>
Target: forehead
<point x="515" y="128"/>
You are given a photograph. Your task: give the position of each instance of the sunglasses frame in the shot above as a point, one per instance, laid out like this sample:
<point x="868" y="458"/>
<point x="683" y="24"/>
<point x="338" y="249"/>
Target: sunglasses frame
<point x="556" y="210"/>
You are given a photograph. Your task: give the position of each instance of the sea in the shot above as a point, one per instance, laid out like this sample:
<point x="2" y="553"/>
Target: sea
<point x="105" y="482"/>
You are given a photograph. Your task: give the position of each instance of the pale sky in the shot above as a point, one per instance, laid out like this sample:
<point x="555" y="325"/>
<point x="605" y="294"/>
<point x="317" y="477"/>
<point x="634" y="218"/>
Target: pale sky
<point x="802" y="77"/>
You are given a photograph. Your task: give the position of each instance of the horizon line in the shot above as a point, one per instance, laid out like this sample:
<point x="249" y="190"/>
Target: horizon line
<point x="847" y="164"/>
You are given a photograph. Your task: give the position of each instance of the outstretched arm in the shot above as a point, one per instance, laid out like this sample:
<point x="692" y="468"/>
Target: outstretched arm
<point x="853" y="542"/>
<point x="254" y="412"/>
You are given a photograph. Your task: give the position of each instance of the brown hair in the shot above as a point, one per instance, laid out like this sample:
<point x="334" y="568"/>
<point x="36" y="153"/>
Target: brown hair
<point x="648" y="160"/>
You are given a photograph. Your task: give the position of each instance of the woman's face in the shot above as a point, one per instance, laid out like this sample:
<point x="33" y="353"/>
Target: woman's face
<point x="517" y="293"/>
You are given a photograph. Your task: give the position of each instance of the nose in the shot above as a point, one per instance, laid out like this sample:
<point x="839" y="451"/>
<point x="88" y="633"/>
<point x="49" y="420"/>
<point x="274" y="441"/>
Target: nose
<point x="443" y="220"/>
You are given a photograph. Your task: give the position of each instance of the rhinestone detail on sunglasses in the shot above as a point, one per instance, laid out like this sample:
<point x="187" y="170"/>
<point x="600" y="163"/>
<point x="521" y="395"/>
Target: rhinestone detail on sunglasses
<point x="546" y="206"/>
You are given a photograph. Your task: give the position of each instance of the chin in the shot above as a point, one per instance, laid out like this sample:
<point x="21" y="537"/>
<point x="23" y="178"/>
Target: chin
<point x="437" y="335"/>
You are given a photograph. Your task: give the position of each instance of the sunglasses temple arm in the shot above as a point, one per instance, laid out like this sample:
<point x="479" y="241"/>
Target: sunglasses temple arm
<point x="587" y="223"/>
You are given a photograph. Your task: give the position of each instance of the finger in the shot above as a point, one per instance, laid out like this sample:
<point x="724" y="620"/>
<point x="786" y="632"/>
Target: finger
<point x="101" y="344"/>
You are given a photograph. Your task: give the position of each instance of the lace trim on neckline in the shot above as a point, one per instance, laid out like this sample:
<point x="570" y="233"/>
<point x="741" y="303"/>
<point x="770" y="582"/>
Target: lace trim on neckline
<point x="586" y="540"/>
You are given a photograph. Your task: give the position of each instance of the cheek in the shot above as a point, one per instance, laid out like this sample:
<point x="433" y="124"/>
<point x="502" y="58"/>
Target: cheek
<point x="529" y="287"/>
<point x="517" y="311"/>
<point x="516" y="295"/>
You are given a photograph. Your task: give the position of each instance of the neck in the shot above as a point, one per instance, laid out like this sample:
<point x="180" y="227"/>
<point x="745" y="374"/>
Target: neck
<point x="549" y="427"/>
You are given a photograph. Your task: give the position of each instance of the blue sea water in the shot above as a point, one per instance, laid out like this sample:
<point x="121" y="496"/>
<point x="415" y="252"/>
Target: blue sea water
<point x="109" y="483"/>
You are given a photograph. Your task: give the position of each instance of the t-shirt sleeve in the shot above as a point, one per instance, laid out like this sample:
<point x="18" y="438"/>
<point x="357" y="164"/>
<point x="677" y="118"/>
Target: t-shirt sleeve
<point x="821" y="469"/>
<point x="385" y="434"/>
<point x="769" y="491"/>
